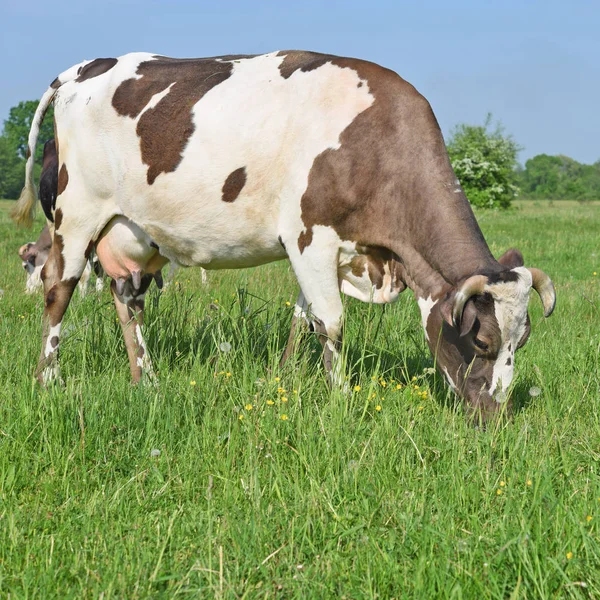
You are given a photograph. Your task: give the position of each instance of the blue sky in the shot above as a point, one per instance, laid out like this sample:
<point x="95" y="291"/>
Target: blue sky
<point x="534" y="64"/>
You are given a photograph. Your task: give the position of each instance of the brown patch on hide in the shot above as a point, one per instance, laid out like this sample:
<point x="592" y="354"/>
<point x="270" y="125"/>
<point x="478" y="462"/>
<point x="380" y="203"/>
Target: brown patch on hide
<point x="63" y="179"/>
<point x="234" y="184"/>
<point x="95" y="68"/>
<point x="165" y="129"/>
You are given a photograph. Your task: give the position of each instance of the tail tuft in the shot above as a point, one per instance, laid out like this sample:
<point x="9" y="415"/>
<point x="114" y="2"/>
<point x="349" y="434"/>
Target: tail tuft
<point x="24" y="210"/>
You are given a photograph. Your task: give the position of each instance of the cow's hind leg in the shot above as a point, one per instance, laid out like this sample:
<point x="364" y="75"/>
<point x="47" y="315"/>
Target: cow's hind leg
<point x="129" y="303"/>
<point x="316" y="268"/>
<point x="61" y="273"/>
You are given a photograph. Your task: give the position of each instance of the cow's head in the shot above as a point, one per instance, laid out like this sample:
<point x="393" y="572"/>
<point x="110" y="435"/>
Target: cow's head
<point x="475" y="329"/>
<point x="28" y="254"/>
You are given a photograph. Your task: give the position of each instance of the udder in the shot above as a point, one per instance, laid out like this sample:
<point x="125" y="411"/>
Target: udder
<point x="125" y="251"/>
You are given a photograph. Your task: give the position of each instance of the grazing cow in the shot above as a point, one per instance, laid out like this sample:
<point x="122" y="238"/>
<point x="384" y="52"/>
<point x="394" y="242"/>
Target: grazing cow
<point x="34" y="254"/>
<point x="335" y="163"/>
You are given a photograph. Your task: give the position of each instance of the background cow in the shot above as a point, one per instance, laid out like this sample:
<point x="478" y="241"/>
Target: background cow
<point x="337" y="164"/>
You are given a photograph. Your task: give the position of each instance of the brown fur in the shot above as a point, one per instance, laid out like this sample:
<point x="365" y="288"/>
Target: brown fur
<point x="234" y="184"/>
<point x="165" y="129"/>
<point x="63" y="179"/>
<point x="95" y="68"/>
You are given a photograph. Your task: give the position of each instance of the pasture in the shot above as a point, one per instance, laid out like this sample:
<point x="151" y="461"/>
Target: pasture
<point x="234" y="479"/>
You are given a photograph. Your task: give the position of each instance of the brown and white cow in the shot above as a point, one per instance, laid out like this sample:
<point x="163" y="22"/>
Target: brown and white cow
<point x="335" y="163"/>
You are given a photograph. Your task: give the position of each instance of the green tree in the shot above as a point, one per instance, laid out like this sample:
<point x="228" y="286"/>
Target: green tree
<point x="13" y="146"/>
<point x="12" y="170"/>
<point x="560" y="177"/>
<point x="485" y="162"/>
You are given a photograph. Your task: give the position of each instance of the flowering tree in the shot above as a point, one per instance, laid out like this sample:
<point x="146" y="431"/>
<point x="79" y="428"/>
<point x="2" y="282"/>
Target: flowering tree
<point x="485" y="163"/>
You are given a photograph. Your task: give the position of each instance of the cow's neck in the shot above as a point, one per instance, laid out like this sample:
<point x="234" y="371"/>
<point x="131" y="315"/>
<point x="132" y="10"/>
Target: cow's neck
<point x="442" y="245"/>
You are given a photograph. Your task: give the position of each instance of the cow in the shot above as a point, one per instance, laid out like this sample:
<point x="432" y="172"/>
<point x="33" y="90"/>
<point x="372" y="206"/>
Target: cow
<point x="34" y="254"/>
<point x="336" y="164"/>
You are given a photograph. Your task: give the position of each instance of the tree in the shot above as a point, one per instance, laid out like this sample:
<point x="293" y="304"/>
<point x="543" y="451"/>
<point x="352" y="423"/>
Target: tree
<point x="560" y="177"/>
<point x="13" y="146"/>
<point x="485" y="163"/>
<point x="12" y="170"/>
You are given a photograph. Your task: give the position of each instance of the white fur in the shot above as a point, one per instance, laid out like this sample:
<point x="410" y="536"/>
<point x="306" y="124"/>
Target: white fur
<point x="510" y="306"/>
<point x="34" y="281"/>
<point x="425" y="306"/>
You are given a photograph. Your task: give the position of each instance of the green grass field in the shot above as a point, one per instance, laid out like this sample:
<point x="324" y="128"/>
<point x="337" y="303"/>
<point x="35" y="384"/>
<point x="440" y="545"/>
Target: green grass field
<point x="269" y="485"/>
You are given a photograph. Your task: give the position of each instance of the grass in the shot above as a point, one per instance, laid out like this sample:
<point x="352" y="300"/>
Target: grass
<point x="320" y="495"/>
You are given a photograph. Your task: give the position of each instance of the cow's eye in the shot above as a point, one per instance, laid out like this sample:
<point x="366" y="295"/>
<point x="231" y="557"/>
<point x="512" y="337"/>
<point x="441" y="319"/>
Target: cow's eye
<point x="481" y="344"/>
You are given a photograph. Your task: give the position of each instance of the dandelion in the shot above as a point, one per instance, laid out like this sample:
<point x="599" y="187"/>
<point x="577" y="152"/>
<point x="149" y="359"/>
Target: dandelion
<point x="502" y="483"/>
<point x="534" y="391"/>
<point x="225" y="347"/>
<point x="193" y="383"/>
<point x="414" y="379"/>
<point x="284" y="417"/>
<point x="595" y="273"/>
<point x="241" y="417"/>
<point x="374" y="378"/>
<point x="248" y="407"/>
<point x="378" y="408"/>
<point x="499" y="492"/>
<point x="529" y="482"/>
<point x="383" y="383"/>
<point x="228" y="374"/>
<point x="270" y="402"/>
<point x="569" y="555"/>
<point x="277" y="379"/>
<point x="589" y="518"/>
<point x="398" y="387"/>
<point x="283" y="399"/>
<point x="288" y="303"/>
<point x="155" y="452"/>
<point x="357" y="388"/>
<point x="280" y="390"/>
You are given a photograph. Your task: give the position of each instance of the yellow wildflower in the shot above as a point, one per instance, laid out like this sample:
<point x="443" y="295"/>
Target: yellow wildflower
<point x="529" y="482"/>
<point x="288" y="303"/>
<point x="357" y="388"/>
<point x="228" y="374"/>
<point x="248" y="407"/>
<point x="499" y="492"/>
<point x="502" y="483"/>
<point x="281" y="390"/>
<point x="283" y="399"/>
<point x="277" y="379"/>
<point x="383" y="383"/>
<point x="589" y="518"/>
<point x="378" y="407"/>
<point x="284" y="417"/>
<point x="398" y="387"/>
<point x="420" y="408"/>
<point x="192" y="383"/>
<point x="270" y="402"/>
<point x="569" y="555"/>
<point x="241" y="417"/>
<point x="295" y="391"/>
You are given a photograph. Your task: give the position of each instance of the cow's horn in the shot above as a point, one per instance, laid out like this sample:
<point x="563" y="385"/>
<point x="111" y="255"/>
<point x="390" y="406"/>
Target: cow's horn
<point x="471" y="287"/>
<point x="543" y="285"/>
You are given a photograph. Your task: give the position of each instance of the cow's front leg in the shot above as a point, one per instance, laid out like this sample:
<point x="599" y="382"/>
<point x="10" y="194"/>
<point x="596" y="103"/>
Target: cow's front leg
<point x="129" y="303"/>
<point x="60" y="276"/>
<point x="317" y="271"/>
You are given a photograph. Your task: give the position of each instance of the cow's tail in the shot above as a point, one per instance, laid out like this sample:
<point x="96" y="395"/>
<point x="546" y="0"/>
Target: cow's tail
<point x="24" y="210"/>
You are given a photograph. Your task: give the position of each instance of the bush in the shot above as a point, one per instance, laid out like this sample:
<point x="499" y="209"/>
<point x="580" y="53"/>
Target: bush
<point x="484" y="162"/>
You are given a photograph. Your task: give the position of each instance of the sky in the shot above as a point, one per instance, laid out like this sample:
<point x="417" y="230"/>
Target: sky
<point x="535" y="65"/>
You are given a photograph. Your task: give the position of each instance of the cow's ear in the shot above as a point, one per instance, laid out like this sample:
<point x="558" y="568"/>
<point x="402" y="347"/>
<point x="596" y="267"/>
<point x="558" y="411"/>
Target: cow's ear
<point x="468" y="318"/>
<point x="512" y="258"/>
